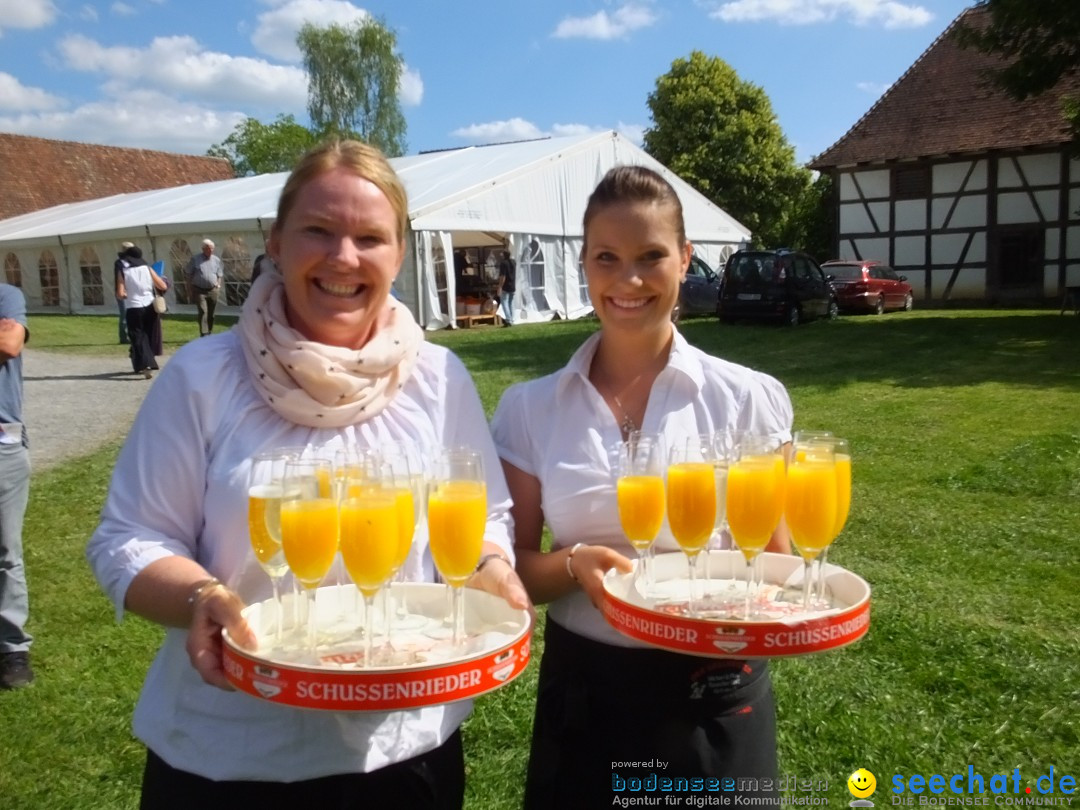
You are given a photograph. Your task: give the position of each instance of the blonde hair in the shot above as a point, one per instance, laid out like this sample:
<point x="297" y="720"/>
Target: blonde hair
<point x="357" y="157"/>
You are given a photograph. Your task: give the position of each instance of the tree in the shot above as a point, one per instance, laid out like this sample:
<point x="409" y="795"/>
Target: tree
<point x="354" y="73"/>
<point x="719" y="133"/>
<point x="1040" y="44"/>
<point x="258" y="148"/>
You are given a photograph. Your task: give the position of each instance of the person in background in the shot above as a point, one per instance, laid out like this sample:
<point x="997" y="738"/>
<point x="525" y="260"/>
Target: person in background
<point x="118" y="273"/>
<point x="262" y="264"/>
<point x="603" y="697"/>
<point x="136" y="289"/>
<point x="506" y="285"/>
<point x="168" y="544"/>
<point x="15" y="669"/>
<point x="205" y="273"/>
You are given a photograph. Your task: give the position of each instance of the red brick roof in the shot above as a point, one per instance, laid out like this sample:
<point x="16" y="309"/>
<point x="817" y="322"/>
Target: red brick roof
<point x="944" y="104"/>
<point x="36" y="173"/>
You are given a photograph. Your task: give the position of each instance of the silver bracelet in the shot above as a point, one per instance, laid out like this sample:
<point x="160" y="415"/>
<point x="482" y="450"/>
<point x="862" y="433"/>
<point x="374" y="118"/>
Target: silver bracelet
<point x="202" y="586"/>
<point x="569" y="559"/>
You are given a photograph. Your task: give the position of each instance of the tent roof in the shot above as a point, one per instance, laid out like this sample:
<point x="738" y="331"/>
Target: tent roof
<point x="504" y="187"/>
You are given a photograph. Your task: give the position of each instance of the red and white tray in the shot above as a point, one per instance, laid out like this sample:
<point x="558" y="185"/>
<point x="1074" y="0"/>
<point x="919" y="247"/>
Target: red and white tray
<point x="780" y="628"/>
<point x="424" y="669"/>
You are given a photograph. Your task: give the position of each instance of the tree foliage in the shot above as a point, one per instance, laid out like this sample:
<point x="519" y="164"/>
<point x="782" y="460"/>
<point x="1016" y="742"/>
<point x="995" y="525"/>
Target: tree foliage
<point x="258" y="148"/>
<point x="720" y="134"/>
<point x="1040" y="43"/>
<point x="354" y="73"/>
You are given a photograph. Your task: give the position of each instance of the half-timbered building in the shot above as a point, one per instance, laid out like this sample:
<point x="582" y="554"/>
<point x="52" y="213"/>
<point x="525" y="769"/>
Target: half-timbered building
<point x="969" y="193"/>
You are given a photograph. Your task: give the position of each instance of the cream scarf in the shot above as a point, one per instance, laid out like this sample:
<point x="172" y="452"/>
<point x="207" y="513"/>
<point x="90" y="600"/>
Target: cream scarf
<point x="317" y="385"/>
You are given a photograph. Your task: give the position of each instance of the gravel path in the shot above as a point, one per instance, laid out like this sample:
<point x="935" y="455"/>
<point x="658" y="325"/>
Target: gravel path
<point x="74" y="404"/>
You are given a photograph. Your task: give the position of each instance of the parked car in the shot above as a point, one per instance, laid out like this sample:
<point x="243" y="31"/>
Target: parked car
<point x="868" y="286"/>
<point x="700" y="289"/>
<point x="782" y="285"/>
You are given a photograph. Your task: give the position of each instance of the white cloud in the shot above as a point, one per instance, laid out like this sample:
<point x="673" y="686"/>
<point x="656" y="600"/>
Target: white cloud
<point x="873" y="88"/>
<point x="135" y="121"/>
<point x="518" y="129"/>
<point x="14" y="95"/>
<point x="601" y="25"/>
<point x="178" y="65"/>
<point x="26" y="13"/>
<point x="276" y="30"/>
<point x="889" y="13"/>
<point x="88" y="14"/>
<point x="411" y="87"/>
<point x="632" y="132"/>
<point x="123" y="10"/>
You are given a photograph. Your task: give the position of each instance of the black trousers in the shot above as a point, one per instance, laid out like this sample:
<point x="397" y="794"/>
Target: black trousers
<point x="140" y="322"/>
<point x="431" y="781"/>
<point x="600" y="708"/>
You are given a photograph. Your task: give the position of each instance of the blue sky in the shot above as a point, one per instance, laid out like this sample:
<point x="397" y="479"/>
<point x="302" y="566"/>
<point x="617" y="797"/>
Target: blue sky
<point x="178" y="75"/>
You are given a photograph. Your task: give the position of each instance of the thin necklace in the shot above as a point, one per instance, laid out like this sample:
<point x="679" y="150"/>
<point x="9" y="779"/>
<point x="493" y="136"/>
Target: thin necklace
<point x="627" y="425"/>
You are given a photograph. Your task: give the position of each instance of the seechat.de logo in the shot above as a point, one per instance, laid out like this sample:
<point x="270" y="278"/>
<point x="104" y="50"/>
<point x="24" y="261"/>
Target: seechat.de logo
<point x="861" y="784"/>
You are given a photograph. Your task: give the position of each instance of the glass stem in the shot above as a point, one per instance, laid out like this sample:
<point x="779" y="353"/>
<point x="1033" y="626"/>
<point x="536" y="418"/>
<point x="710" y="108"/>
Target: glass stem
<point x="822" y="558"/>
<point x="369" y="626"/>
<point x="458" y="615"/>
<point x="279" y="609"/>
<point x="692" y="604"/>
<point x="749" y="587"/>
<point x="312" y="621"/>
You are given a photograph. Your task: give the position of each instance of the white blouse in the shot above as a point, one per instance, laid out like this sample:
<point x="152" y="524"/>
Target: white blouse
<point x="180" y="488"/>
<point x="559" y="429"/>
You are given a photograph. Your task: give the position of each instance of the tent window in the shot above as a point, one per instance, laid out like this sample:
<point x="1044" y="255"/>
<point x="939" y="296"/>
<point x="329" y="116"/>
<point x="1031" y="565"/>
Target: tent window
<point x="532" y="263"/>
<point x="237" y="261"/>
<point x="12" y="270"/>
<point x="583" y="284"/>
<point x="438" y="257"/>
<point x="90" y="269"/>
<point x="49" y="274"/>
<point x="179" y="256"/>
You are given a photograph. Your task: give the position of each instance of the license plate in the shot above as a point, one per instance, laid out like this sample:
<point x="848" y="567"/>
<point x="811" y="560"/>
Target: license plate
<point x="749" y="296"/>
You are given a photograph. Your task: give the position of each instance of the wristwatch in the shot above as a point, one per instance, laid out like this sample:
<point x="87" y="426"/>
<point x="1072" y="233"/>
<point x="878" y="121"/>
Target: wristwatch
<point x="488" y="558"/>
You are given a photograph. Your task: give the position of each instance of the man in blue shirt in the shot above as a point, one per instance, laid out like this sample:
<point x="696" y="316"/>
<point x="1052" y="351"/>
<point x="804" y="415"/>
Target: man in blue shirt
<point x="205" y="272"/>
<point x="15" y="668"/>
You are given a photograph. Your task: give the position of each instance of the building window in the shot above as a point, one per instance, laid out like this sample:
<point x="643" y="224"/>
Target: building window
<point x="911" y="182"/>
<point x="90" y="269"/>
<point x="179" y="256"/>
<point x="12" y="270"/>
<point x="532" y="264"/>
<point x="1020" y="257"/>
<point x="49" y="273"/>
<point x="237" y="261"/>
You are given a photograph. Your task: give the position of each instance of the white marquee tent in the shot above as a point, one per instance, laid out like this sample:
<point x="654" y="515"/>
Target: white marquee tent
<point x="528" y="197"/>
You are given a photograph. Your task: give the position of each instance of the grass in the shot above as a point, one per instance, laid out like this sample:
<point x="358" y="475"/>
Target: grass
<point x="965" y="428"/>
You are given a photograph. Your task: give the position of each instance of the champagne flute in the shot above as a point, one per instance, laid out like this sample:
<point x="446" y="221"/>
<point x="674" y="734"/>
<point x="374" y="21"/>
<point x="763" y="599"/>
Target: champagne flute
<point x="309" y="530"/>
<point x="691" y="503"/>
<point x="457" y="515"/>
<point x="265" y="481"/>
<point x="369" y="539"/>
<point x="810" y="506"/>
<point x="755" y="502"/>
<point x="639" y="488"/>
<point x="842" y="455"/>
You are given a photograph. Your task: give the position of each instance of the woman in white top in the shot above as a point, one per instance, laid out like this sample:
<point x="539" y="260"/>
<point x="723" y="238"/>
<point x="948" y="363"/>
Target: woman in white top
<point x="323" y="356"/>
<point x="135" y="287"/>
<point x="604" y="698"/>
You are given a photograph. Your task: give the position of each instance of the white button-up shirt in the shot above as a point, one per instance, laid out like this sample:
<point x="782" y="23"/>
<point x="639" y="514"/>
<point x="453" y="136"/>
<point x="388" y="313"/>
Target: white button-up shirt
<point x="559" y="429"/>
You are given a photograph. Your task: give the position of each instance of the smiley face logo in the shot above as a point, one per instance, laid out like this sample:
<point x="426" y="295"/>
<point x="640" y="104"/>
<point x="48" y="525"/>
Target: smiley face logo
<point x="862" y="784"/>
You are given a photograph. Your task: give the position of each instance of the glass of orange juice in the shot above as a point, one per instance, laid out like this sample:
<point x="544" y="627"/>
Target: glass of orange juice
<point x="691" y="503"/>
<point x="842" y="457"/>
<point x="457" y="515"/>
<point x="265" y="483"/>
<point x="639" y="491"/>
<point x="810" y="506"/>
<point x="755" y="502"/>
<point x="309" y="530"/>
<point x="369" y="524"/>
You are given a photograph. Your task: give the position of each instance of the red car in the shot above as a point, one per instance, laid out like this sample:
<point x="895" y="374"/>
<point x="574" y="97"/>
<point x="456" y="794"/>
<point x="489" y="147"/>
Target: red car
<point x="865" y="286"/>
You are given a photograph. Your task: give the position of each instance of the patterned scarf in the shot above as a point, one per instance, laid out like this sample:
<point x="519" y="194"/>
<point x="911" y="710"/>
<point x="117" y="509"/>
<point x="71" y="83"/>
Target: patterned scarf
<point x="317" y="385"/>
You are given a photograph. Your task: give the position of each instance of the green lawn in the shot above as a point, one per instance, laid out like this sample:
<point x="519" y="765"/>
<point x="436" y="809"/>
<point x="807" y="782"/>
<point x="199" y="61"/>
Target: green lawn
<point x="965" y="429"/>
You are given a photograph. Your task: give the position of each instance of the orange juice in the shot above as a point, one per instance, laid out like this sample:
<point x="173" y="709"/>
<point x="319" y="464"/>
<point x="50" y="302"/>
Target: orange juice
<point x="457" y="512"/>
<point x="406" y="524"/>
<point x="755" y="501"/>
<point x="309" y="536"/>
<point x="641" y="508"/>
<point x="811" y="505"/>
<point x="843" y="492"/>
<point x="264" y="522"/>
<point x="691" y="503"/>
<point x="369" y="539"/>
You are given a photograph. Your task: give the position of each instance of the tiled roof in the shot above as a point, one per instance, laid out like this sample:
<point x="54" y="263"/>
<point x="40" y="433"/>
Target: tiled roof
<point x="36" y="173"/>
<point x="944" y="104"/>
